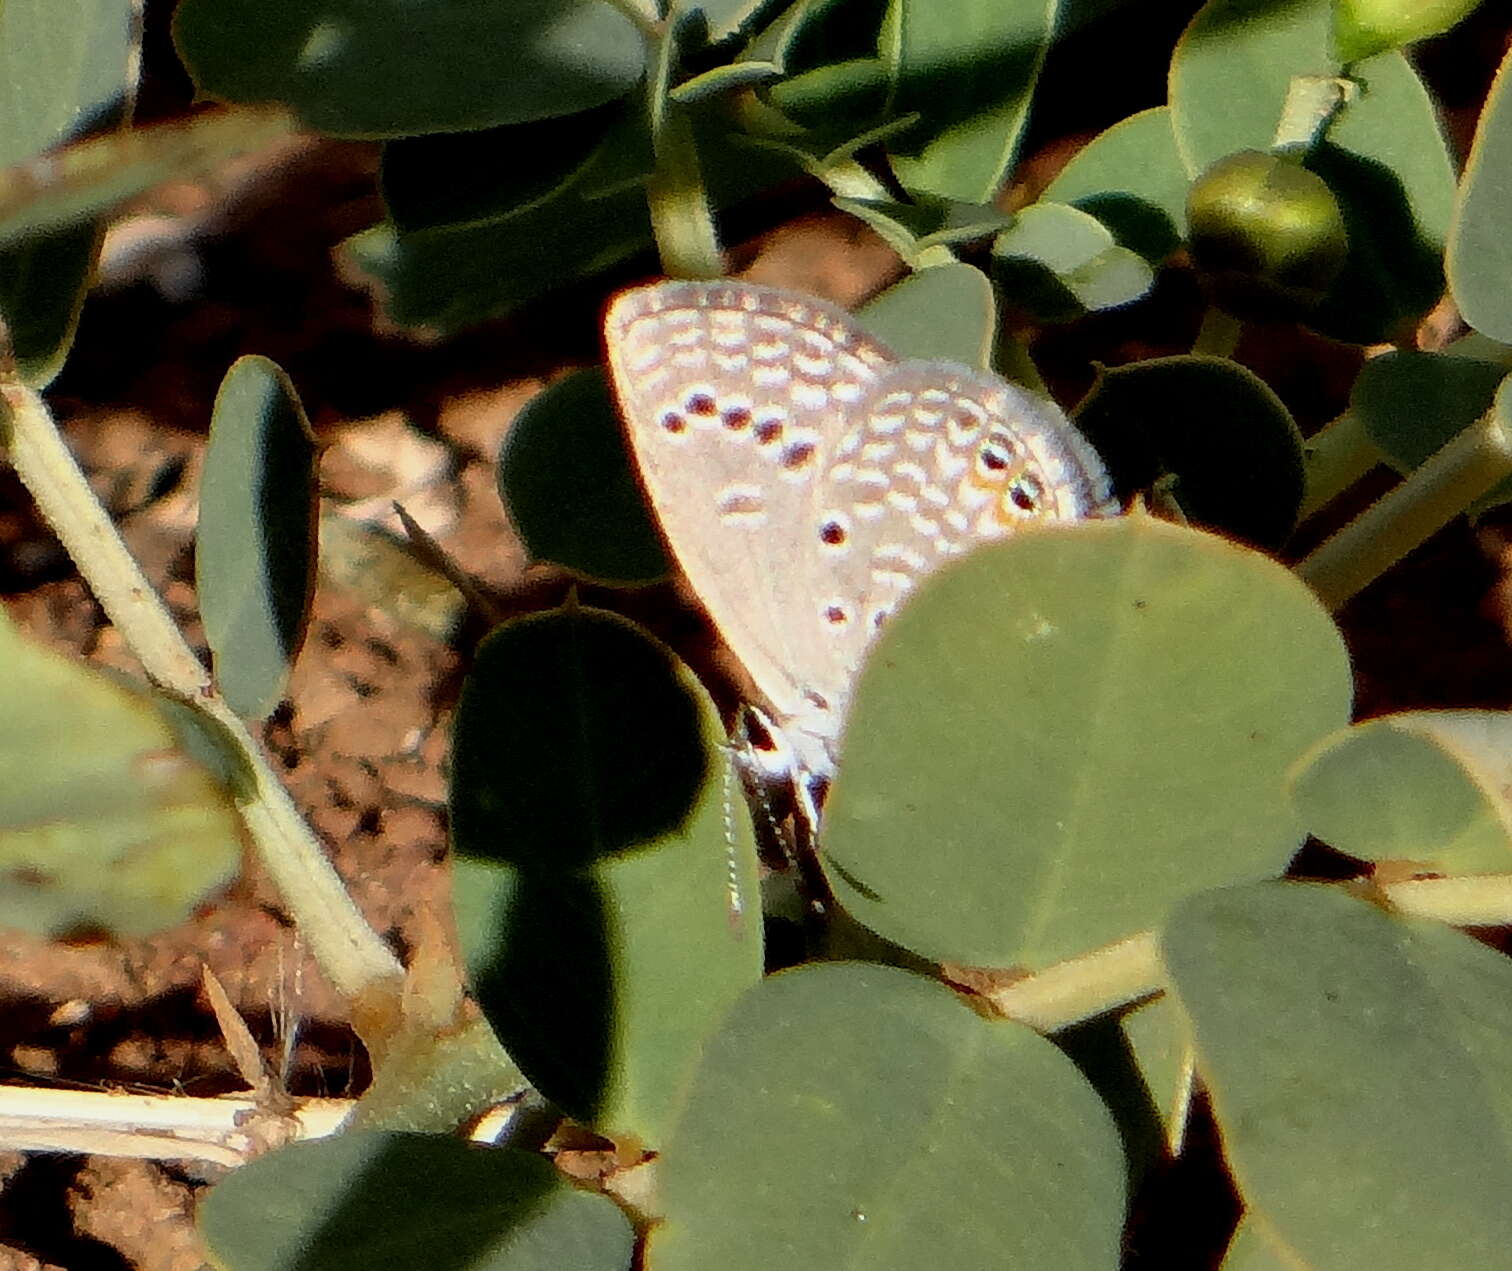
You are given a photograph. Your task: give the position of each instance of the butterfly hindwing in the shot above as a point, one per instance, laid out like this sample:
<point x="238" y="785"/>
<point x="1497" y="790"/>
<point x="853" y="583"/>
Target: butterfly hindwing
<point x="941" y="457"/>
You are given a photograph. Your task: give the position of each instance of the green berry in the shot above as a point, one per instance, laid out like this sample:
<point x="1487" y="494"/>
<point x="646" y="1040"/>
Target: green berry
<point x="1266" y="234"/>
<point x="1366" y="27"/>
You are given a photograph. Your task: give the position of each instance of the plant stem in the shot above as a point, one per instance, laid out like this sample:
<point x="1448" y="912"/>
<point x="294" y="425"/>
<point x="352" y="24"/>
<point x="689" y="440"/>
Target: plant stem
<point x="227" y="1130"/>
<point x="1130" y="971"/>
<point x="1334" y="458"/>
<point x="1070" y="992"/>
<point x="1312" y="104"/>
<point x="1445" y="485"/>
<point x="350" y="954"/>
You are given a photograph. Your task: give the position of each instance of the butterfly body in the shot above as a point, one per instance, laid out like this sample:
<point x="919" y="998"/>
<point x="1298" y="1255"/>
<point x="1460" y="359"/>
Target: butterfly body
<point x="807" y="479"/>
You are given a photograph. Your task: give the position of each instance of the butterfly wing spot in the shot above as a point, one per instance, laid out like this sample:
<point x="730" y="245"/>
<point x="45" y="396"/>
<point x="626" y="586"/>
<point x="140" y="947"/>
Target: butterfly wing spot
<point x="771" y="377"/>
<point x="742" y="504"/>
<point x="895" y="580"/>
<point x="834" y="532"/>
<point x="963" y="426"/>
<point x="768" y="431"/>
<point x="673" y="423"/>
<point x="837" y="615"/>
<point x="901" y="558"/>
<point x="949" y="463"/>
<point x="909" y="473"/>
<point x="736" y="418"/>
<point x="1026" y="493"/>
<point x="810" y="396"/>
<point x="798" y="456"/>
<point x="699" y="403"/>
<point x="928" y="529"/>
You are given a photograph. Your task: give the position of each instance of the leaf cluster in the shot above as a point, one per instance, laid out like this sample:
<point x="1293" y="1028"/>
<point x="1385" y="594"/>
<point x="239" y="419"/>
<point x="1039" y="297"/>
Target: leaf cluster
<point x="1078" y="763"/>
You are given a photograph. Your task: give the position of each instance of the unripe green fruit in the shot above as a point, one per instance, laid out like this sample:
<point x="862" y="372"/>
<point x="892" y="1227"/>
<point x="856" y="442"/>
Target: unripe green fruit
<point x="1266" y="234"/>
<point x="1365" y="27"/>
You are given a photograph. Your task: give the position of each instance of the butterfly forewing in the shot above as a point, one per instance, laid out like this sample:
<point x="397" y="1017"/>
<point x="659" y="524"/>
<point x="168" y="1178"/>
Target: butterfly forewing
<point x="735" y="397"/>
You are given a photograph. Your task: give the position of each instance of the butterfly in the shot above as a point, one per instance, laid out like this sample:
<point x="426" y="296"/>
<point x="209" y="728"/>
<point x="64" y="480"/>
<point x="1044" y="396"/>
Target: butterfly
<point x="807" y="479"/>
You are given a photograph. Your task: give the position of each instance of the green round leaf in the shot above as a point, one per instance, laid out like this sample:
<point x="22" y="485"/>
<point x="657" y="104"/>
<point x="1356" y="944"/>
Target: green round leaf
<point x="570" y="488"/>
<point x="254" y="556"/>
<point x="828" y="52"/>
<point x="452" y="178"/>
<point x="1061" y="734"/>
<point x="1413" y="404"/>
<point x="1061" y="263"/>
<point x="449" y="277"/>
<point x="850" y="1115"/>
<point x="389" y="68"/>
<point x="109" y="815"/>
<point x="1359" y="1072"/>
<point x="607" y="886"/>
<point x="945" y="313"/>
<point x="365" y="1200"/>
<point x="927" y="221"/>
<point x="1427" y="786"/>
<point x="1480" y="253"/>
<point x="42" y="286"/>
<point x="1133" y="180"/>
<point x="1212" y="425"/>
<point x="1365" y="27"/>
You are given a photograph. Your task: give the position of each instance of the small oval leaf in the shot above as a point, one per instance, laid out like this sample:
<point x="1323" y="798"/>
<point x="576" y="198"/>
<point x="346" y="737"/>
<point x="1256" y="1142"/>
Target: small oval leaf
<point x="254" y="554"/>
<point x="570" y="489"/>
<point x="607" y="885"/>
<point x="369" y="1199"/>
